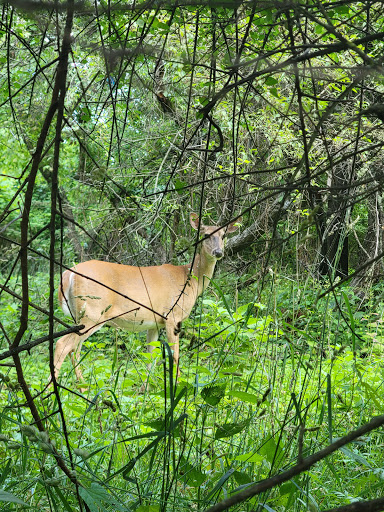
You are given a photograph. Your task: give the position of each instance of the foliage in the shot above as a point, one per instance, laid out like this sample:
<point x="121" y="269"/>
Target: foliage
<point x="117" y="121"/>
<point x="253" y="379"/>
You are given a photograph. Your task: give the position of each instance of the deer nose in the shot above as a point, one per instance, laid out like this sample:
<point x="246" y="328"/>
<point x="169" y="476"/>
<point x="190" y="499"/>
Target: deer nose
<point x="218" y="253"/>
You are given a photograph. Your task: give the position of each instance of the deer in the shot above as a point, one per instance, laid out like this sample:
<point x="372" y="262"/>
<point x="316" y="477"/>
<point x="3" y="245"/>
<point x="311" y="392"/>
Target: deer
<point x="97" y="293"/>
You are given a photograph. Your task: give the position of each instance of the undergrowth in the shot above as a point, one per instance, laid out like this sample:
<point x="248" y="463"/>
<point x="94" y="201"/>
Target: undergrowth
<point x="262" y="385"/>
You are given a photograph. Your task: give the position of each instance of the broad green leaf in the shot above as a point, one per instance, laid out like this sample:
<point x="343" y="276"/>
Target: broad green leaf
<point x="230" y="429"/>
<point x="164" y="27"/>
<point x="191" y="474"/>
<point x="156" y="424"/>
<point x="342" y="10"/>
<point x="271" y="81"/>
<point x="274" y="92"/>
<point x="242" y="478"/>
<point x="287" y="488"/>
<point x="244" y="397"/>
<point x="250" y="457"/>
<point x="96" y="497"/>
<point x="213" y="394"/>
<point x="179" y="185"/>
<point x="271" y="450"/>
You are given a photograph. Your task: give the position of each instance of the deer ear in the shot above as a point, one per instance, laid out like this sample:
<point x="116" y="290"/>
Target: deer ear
<point x="234" y="225"/>
<point x="194" y="220"/>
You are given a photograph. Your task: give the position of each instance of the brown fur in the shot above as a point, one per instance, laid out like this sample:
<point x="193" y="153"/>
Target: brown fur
<point x="96" y="293"/>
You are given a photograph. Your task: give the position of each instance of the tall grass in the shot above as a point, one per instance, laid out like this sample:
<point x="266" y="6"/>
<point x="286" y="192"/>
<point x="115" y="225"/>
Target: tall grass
<point x="262" y="386"/>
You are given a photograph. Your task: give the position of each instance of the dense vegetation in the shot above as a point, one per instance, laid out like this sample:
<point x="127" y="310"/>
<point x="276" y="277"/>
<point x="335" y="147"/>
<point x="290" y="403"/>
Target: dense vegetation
<point x="117" y="121"/>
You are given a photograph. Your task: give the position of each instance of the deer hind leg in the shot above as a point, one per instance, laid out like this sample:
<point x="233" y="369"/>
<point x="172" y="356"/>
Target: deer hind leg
<point x="173" y="331"/>
<point x="71" y="344"/>
<point x="152" y="335"/>
<point x="75" y="359"/>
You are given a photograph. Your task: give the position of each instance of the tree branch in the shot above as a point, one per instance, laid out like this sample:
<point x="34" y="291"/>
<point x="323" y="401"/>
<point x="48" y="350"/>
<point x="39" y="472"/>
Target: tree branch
<point x="304" y="465"/>
<point x="361" y="506"/>
<point x="30" y="344"/>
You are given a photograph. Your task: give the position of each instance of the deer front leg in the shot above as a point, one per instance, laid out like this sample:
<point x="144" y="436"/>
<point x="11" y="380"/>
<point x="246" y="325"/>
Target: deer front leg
<point x="173" y="331"/>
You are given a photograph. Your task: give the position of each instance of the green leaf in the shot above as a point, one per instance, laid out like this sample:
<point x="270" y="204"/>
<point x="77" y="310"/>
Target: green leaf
<point x="244" y="397"/>
<point x="191" y="474"/>
<point x="115" y="358"/>
<point x="222" y="297"/>
<point x="96" y="497"/>
<point x="164" y="27"/>
<point x="156" y="424"/>
<point x="213" y="394"/>
<point x="287" y="488"/>
<point x="250" y="457"/>
<point x="179" y="185"/>
<point x="85" y="116"/>
<point x="5" y="471"/>
<point x="11" y="498"/>
<point x="271" y="81"/>
<point x="342" y="9"/>
<point x="242" y="478"/>
<point x="271" y="450"/>
<point x="127" y="468"/>
<point x="230" y="429"/>
<point x="268" y="15"/>
<point x="63" y="499"/>
<point x="274" y="92"/>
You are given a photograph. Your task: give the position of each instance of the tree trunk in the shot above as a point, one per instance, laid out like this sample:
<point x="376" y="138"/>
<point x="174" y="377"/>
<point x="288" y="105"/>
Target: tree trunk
<point x="373" y="244"/>
<point x="252" y="233"/>
<point x="334" y="251"/>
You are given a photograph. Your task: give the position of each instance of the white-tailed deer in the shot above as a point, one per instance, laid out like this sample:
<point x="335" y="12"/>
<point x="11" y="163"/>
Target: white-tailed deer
<point x="137" y="299"/>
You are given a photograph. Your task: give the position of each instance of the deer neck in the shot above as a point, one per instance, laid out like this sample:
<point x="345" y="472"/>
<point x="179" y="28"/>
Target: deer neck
<point x="202" y="272"/>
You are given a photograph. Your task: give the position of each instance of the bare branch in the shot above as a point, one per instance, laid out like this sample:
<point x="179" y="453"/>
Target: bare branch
<point x="306" y="464"/>
<point x="27" y="346"/>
